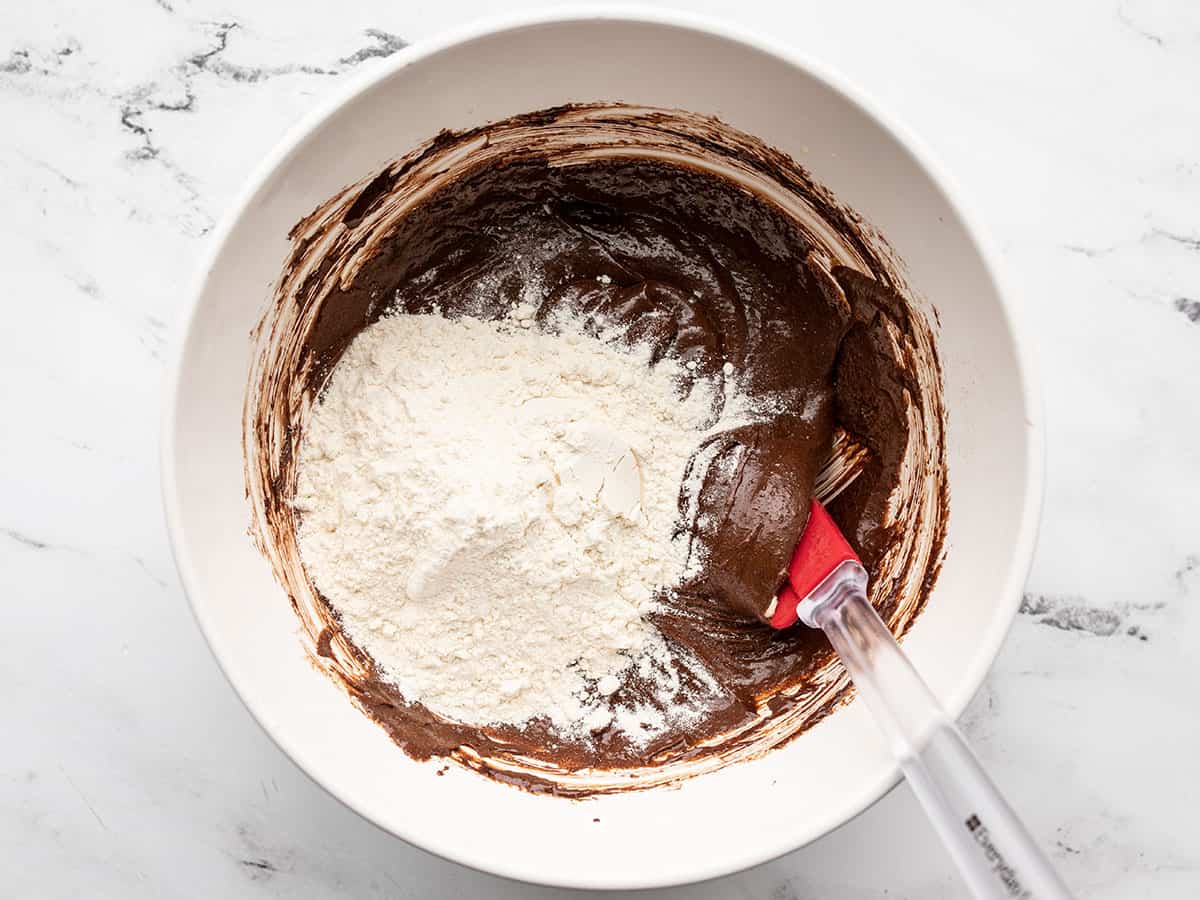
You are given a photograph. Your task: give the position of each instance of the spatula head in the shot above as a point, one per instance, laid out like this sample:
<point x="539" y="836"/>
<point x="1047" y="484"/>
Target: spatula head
<point x="822" y="548"/>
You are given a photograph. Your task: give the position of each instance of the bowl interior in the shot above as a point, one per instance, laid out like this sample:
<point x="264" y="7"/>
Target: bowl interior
<point x="663" y="836"/>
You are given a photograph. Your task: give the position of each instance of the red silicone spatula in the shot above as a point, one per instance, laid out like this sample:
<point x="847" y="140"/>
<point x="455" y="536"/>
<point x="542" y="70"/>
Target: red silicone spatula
<point x="827" y="590"/>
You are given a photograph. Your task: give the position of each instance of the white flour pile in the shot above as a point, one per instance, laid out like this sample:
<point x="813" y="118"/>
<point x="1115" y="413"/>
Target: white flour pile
<point x="489" y="508"/>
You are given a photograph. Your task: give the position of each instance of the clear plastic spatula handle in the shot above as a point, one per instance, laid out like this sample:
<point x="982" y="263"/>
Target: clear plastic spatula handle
<point x="996" y="855"/>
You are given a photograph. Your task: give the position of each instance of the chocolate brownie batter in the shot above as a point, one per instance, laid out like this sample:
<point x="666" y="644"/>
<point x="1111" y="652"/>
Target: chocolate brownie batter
<point x="705" y="270"/>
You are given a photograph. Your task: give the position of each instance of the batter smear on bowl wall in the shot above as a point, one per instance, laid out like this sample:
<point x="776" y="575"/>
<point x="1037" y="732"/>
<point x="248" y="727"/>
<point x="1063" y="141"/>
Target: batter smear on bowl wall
<point x="534" y="422"/>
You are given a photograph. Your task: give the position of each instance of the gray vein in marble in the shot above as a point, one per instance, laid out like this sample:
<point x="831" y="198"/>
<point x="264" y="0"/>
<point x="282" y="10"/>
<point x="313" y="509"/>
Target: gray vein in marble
<point x="1192" y="243"/>
<point x="21" y="61"/>
<point x="86" y="284"/>
<point x="176" y="93"/>
<point x="141" y="564"/>
<point x="386" y="45"/>
<point x="26" y="68"/>
<point x="82" y="446"/>
<point x="1189" y="307"/>
<point x="130" y="120"/>
<point x="148" y="330"/>
<point x="1186" y="240"/>
<point x="153" y="336"/>
<point x="1124" y="18"/>
<point x="1191" y="564"/>
<point x="84" y="797"/>
<point x="258" y="862"/>
<point x="25" y="540"/>
<point x="137" y="104"/>
<point x="17" y="63"/>
<point x="1074" y="613"/>
<point x="208" y="62"/>
<point x="383" y="44"/>
<point x="785" y="891"/>
<point x="1129" y="276"/>
<point x="46" y="167"/>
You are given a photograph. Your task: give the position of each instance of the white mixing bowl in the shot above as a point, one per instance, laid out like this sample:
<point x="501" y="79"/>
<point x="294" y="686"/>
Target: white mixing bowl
<point x="662" y="836"/>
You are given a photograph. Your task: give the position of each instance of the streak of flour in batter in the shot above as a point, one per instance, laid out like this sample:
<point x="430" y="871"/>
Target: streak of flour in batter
<point x="489" y="509"/>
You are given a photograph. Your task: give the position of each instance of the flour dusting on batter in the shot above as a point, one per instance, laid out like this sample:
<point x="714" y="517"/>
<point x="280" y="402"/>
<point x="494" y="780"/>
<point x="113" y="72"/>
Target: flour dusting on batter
<point x="490" y="510"/>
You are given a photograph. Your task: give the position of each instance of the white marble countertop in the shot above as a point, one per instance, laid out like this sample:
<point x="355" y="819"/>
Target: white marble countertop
<point x="128" y="768"/>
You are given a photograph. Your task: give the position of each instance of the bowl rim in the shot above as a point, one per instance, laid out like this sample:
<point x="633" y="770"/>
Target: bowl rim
<point x="1011" y="309"/>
